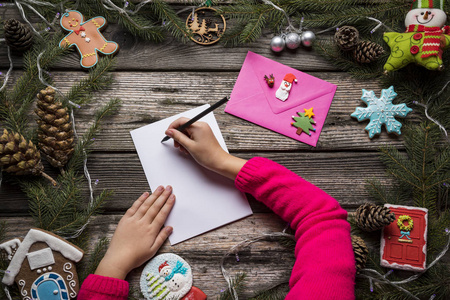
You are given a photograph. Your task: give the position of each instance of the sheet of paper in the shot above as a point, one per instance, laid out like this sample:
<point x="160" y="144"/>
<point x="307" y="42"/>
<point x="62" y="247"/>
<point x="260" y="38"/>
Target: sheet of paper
<point x="204" y="199"/>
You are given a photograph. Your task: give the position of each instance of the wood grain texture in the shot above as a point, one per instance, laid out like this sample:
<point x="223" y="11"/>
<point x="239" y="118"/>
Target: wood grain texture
<point x="266" y="263"/>
<point x="341" y="174"/>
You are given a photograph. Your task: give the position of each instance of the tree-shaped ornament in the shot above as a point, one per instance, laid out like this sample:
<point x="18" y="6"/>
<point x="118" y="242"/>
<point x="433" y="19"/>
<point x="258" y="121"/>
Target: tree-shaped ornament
<point x="381" y="111"/>
<point x="425" y="38"/>
<point x="304" y="121"/>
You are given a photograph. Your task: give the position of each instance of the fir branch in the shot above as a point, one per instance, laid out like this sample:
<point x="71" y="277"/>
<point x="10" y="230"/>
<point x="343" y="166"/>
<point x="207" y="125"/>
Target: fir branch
<point x="99" y="78"/>
<point x="173" y="23"/>
<point x="95" y="257"/>
<point x="277" y="292"/>
<point x="238" y="283"/>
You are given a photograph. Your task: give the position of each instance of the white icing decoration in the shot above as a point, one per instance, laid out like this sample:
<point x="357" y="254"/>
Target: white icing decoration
<point x="83" y="34"/>
<point x="10" y="247"/>
<point x="35" y="235"/>
<point x="87" y="40"/>
<point x="40" y="258"/>
<point x="22" y="284"/>
<point x="72" y="282"/>
<point x="39" y="271"/>
<point x="55" y="292"/>
<point x="44" y="269"/>
<point x="50" y="268"/>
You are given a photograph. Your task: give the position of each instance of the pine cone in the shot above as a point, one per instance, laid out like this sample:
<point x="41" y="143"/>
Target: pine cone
<point x="370" y="217"/>
<point x="347" y="37"/>
<point x="360" y="250"/>
<point x="18" y="36"/>
<point x="55" y="130"/>
<point x="367" y="52"/>
<point x="19" y="156"/>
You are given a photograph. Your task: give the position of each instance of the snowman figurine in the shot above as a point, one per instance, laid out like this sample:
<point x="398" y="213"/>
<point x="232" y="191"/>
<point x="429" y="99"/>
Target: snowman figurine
<point x="174" y="277"/>
<point x="424" y="40"/>
<point x="285" y="87"/>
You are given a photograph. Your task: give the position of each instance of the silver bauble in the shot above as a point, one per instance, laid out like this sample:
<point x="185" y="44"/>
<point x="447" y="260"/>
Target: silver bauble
<point x="307" y="38"/>
<point x="292" y="40"/>
<point x="277" y="44"/>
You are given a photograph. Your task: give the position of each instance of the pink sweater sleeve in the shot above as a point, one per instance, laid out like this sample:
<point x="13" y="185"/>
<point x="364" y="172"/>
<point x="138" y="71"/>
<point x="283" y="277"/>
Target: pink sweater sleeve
<point x="96" y="287"/>
<point x="325" y="263"/>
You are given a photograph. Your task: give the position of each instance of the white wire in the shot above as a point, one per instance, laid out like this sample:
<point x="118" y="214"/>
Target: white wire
<point x="9" y="70"/>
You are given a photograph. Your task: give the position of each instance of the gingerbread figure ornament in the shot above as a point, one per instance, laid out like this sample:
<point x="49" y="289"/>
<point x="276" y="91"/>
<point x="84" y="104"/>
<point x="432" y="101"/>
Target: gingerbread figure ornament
<point x="86" y="37"/>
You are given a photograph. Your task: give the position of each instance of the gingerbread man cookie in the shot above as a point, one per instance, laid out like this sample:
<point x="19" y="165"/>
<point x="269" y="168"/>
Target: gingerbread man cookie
<point x="86" y="37"/>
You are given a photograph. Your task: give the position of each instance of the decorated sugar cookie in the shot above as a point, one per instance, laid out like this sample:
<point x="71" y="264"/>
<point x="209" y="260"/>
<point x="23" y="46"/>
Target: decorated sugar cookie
<point x="425" y="39"/>
<point x="166" y="276"/>
<point x="43" y="266"/>
<point x="86" y="37"/>
<point x="381" y="111"/>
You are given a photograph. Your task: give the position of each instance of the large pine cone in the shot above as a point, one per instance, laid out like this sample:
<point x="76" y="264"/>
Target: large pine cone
<point x="361" y="252"/>
<point x="367" y="52"/>
<point x="347" y="37"/>
<point x="19" y="156"/>
<point x="18" y="36"/>
<point x="370" y="217"/>
<point x="55" y="130"/>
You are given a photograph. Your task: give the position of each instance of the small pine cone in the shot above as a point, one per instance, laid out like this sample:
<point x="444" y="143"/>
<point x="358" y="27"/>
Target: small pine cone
<point x="17" y="35"/>
<point x="361" y="252"/>
<point x="347" y="37"/>
<point x="370" y="217"/>
<point x="55" y="130"/>
<point x="367" y="52"/>
<point x="19" y="156"/>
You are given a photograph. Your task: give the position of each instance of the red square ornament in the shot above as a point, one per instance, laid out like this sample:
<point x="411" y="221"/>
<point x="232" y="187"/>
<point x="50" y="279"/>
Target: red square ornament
<point x="404" y="241"/>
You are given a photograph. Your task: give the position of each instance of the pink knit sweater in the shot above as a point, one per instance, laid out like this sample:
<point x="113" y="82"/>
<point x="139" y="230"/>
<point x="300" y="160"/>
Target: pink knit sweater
<point x="325" y="265"/>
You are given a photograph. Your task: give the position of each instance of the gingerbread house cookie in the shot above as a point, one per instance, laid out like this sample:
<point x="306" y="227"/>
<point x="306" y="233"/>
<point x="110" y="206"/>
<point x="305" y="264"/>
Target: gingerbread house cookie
<point x="43" y="266"/>
<point x="86" y="37"/>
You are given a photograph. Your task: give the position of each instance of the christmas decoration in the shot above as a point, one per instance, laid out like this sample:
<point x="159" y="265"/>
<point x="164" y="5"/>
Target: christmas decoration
<point x="43" y="266"/>
<point x="367" y="52"/>
<point x="19" y="156"/>
<point x="361" y="252"/>
<point x="425" y="38"/>
<point x="308" y="38"/>
<point x="270" y="80"/>
<point x="304" y="121"/>
<point x="17" y="35"/>
<point x="404" y="242"/>
<point x="55" y="129"/>
<point x="166" y="275"/>
<point x="204" y="30"/>
<point x="277" y="43"/>
<point x="293" y="40"/>
<point x="86" y="37"/>
<point x="370" y="217"/>
<point x="285" y="87"/>
<point x="381" y="111"/>
<point x="346" y="37"/>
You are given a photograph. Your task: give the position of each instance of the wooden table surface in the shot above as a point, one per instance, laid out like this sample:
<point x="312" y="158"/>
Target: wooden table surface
<point x="156" y="81"/>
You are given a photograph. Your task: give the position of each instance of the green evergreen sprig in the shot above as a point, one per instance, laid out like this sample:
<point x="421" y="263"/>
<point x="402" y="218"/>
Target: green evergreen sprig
<point x="238" y="283"/>
<point x="90" y="265"/>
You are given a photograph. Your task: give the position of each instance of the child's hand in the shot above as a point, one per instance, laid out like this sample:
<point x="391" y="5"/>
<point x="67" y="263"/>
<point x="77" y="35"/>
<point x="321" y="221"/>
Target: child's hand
<point x="199" y="141"/>
<point x="139" y="235"/>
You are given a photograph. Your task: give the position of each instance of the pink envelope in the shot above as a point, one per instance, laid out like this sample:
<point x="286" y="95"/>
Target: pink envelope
<point x="253" y="100"/>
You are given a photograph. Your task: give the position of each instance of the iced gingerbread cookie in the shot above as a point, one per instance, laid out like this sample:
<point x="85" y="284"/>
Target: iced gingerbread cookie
<point x="86" y="37"/>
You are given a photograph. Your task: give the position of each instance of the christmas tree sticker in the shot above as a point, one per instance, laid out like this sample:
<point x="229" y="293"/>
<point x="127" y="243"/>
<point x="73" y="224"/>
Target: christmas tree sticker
<point x="304" y="121"/>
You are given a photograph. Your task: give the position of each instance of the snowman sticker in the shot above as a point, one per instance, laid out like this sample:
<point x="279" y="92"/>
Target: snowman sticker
<point x="425" y="39"/>
<point x="285" y="87"/>
<point x="166" y="276"/>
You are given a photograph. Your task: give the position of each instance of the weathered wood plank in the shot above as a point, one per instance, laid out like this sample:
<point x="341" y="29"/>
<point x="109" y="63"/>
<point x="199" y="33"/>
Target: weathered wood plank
<point x="266" y="263"/>
<point x="341" y="174"/>
<point x="149" y="97"/>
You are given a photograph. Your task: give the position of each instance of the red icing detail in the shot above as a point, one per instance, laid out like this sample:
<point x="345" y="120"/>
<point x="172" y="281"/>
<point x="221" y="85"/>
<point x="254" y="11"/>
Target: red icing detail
<point x="417" y="36"/>
<point x="165" y="264"/>
<point x="396" y="250"/>
<point x="414" y="49"/>
<point x="78" y="31"/>
<point x="194" y="294"/>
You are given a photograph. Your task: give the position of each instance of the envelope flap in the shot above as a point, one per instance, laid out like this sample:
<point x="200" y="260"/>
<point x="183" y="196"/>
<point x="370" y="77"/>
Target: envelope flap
<point x="306" y="89"/>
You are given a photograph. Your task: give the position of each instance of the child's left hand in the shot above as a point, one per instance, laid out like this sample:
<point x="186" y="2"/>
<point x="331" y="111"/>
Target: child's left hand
<point x="139" y="235"/>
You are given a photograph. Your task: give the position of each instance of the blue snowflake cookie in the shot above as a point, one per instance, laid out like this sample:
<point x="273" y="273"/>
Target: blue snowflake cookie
<point x="166" y="276"/>
<point x="381" y="111"/>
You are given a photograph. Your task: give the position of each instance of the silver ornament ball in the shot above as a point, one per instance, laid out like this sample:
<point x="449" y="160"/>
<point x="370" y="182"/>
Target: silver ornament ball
<point x="307" y="38"/>
<point x="277" y="43"/>
<point x="293" y="40"/>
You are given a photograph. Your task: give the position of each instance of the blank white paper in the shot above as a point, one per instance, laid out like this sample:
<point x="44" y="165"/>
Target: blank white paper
<point x="204" y="199"/>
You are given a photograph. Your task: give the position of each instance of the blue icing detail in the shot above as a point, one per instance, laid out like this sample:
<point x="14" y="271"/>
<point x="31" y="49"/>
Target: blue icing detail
<point x="45" y="291"/>
<point x="36" y="282"/>
<point x="53" y="276"/>
<point x="61" y="284"/>
<point x="381" y="111"/>
<point x="33" y="293"/>
<point x="64" y="295"/>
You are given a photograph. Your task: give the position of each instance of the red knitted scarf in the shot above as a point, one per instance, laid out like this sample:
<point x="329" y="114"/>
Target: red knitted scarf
<point x="432" y="42"/>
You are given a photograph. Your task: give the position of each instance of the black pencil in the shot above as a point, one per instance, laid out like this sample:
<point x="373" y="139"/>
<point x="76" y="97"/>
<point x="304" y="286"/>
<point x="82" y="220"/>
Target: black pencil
<point x="199" y="116"/>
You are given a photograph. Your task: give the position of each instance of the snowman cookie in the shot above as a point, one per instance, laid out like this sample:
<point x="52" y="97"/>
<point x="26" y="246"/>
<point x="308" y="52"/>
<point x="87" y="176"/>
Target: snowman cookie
<point x="166" y="276"/>
<point x="86" y="37"/>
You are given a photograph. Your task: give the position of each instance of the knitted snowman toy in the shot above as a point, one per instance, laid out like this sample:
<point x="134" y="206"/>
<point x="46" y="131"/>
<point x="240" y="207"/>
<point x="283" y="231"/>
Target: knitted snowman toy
<point x="424" y="40"/>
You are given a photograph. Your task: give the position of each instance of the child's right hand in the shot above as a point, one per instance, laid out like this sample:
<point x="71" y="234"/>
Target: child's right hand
<point x="199" y="141"/>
